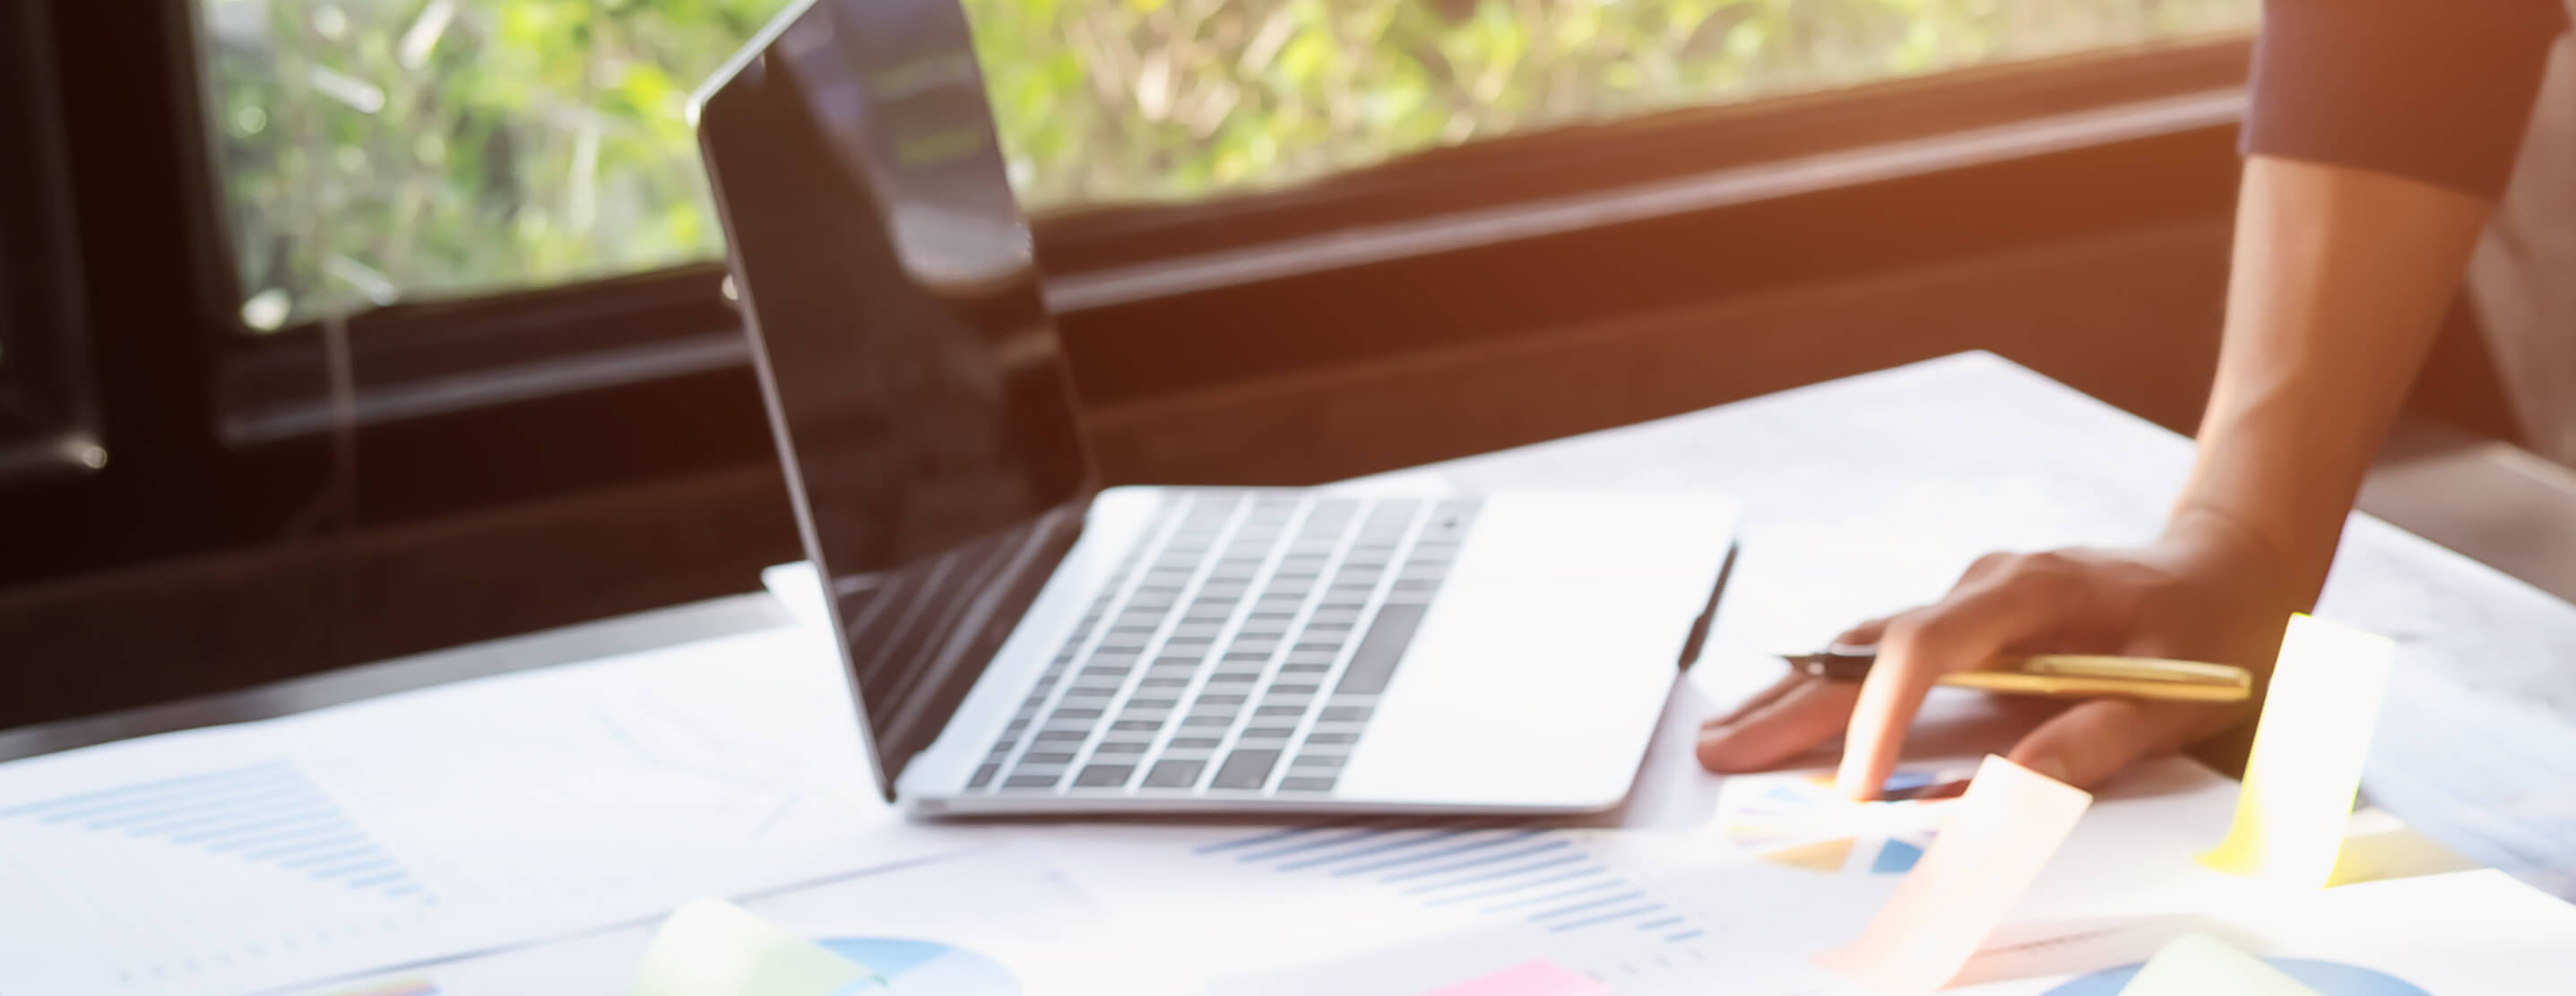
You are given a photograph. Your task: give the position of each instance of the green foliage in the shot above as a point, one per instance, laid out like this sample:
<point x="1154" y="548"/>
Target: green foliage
<point x="381" y="149"/>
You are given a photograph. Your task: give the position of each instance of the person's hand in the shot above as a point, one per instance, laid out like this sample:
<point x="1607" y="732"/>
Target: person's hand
<point x="2203" y="592"/>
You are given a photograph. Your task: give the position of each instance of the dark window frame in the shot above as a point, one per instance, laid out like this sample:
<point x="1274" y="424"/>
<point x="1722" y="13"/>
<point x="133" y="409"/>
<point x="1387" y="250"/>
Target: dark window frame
<point x="48" y="426"/>
<point x="483" y="402"/>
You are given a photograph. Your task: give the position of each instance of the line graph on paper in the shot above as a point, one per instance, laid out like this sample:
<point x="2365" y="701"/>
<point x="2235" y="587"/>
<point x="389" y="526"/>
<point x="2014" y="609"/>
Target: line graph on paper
<point x="1566" y="889"/>
<point x="738" y="774"/>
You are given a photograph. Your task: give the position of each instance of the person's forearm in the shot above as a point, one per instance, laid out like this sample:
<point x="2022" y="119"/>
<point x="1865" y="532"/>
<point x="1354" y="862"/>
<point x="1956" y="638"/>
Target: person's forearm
<point x="2339" y="282"/>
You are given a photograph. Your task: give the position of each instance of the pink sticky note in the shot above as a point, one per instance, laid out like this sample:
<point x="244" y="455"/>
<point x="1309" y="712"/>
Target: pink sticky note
<point x="1535" y="978"/>
<point x="1999" y="836"/>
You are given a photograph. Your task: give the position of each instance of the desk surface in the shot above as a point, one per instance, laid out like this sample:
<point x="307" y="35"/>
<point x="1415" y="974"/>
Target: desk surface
<point x="1863" y="496"/>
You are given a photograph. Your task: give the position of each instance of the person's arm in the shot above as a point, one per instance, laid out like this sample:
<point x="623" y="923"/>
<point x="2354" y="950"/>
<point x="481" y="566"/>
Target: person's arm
<point x="2381" y="132"/>
<point x="2339" y="281"/>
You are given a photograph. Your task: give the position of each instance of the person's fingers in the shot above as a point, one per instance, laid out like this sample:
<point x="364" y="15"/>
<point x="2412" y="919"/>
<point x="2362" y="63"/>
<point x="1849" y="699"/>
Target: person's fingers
<point x="1963" y="631"/>
<point x="1865" y="634"/>
<point x="1789" y="682"/>
<point x="2086" y="745"/>
<point x="1885" y="707"/>
<point x="1805" y="715"/>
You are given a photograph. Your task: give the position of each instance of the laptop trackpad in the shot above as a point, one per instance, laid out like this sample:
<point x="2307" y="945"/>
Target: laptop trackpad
<point x="1536" y="679"/>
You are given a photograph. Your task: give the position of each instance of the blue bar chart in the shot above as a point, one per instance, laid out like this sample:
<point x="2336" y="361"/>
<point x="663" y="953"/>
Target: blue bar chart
<point x="268" y="815"/>
<point x="243" y="868"/>
<point x="1554" y="880"/>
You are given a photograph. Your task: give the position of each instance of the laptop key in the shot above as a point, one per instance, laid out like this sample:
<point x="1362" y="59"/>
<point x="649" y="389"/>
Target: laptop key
<point x="983" y="776"/>
<point x="1317" y="764"/>
<point x="1373" y="664"/>
<point x="1031" y="781"/>
<point x="1174" y="774"/>
<point x="1305" y="783"/>
<point x="1104" y="775"/>
<point x="1246" y="769"/>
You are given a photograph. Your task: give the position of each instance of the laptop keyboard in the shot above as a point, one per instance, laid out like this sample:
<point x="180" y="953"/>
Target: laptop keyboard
<point x="1240" y="646"/>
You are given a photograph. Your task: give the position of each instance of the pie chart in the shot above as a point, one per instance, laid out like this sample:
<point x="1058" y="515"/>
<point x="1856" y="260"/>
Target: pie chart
<point x="922" y="967"/>
<point x="2328" y="978"/>
<point x="1799" y="821"/>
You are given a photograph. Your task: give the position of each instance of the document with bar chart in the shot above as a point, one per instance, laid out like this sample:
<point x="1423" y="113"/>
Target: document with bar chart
<point x="418" y="826"/>
<point x="184" y="882"/>
<point x="1451" y="896"/>
<point x="1641" y="913"/>
<point x="1558" y="881"/>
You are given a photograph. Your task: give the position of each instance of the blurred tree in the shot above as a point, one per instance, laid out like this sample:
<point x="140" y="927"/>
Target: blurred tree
<point x="373" y="150"/>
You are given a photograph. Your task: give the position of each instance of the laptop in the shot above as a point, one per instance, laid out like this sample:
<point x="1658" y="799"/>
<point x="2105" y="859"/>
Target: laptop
<point x="1020" y="639"/>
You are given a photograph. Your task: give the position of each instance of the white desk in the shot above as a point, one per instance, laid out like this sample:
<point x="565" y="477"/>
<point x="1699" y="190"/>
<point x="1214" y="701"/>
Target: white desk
<point x="1867" y="495"/>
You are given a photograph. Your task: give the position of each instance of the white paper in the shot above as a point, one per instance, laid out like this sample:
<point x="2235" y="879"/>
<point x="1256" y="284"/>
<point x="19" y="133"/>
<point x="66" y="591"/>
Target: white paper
<point x="987" y="910"/>
<point x="2468" y="932"/>
<point x="428" y="824"/>
<point x="1452" y="900"/>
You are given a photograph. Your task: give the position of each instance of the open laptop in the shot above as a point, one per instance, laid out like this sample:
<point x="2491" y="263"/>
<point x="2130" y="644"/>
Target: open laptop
<point x="1021" y="640"/>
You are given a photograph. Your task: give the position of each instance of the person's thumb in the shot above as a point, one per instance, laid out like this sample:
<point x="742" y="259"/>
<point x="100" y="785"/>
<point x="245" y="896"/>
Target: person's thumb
<point x="2086" y="745"/>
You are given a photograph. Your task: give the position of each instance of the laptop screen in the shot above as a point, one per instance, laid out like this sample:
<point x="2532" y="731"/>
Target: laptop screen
<point x="914" y="382"/>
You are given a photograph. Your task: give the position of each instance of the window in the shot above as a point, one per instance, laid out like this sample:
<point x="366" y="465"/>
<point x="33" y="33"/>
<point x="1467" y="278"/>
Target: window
<point x="376" y="150"/>
<point x="518" y="177"/>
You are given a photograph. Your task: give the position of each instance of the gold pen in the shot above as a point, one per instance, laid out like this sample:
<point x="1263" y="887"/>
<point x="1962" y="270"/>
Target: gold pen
<point x="2060" y="674"/>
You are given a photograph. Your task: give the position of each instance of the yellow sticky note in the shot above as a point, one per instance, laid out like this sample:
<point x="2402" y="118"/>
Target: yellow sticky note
<point x="2307" y="757"/>
<point x="2000" y="834"/>
<point x="714" y="948"/>
<point x="2377" y="846"/>
<point x="2198" y="965"/>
